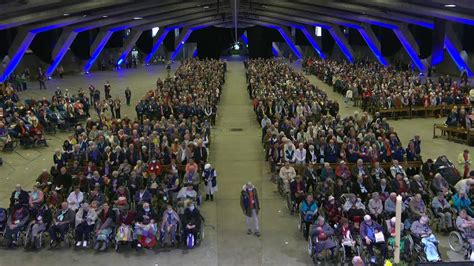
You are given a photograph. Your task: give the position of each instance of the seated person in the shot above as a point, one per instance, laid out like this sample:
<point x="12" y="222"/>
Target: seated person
<point x="372" y="236"/>
<point x="125" y="221"/>
<point x="19" y="196"/>
<point x="428" y="170"/>
<point x="396" y="169"/>
<point x="347" y="237"/>
<point x="390" y="205"/>
<point x="297" y="191"/>
<point x="375" y="206"/>
<point x="105" y="224"/>
<point x="400" y="185"/>
<point x="287" y="173"/>
<point x="404" y="240"/>
<point x="169" y="226"/>
<point x="465" y="224"/>
<point x="142" y="196"/>
<point x="62" y="221"/>
<point x="187" y="192"/>
<point x="327" y="173"/>
<point x="36" y="198"/>
<point x="354" y="208"/>
<point x="377" y="173"/>
<point x="96" y="195"/>
<point x="442" y="209"/>
<point x="321" y="233"/>
<point x="439" y="184"/>
<point x="75" y="199"/>
<point x="343" y="172"/>
<point x="417" y="186"/>
<point x="41" y="221"/>
<point x="145" y="227"/>
<point x="383" y="188"/>
<point x="191" y="221"/>
<point x="417" y="207"/>
<point x="421" y="229"/>
<point x="361" y="188"/>
<point x="44" y="181"/>
<point x="360" y="170"/>
<point x="333" y="210"/>
<point x="192" y="177"/>
<point x="461" y="201"/>
<point x="16" y="221"/>
<point x="308" y="211"/>
<point x="85" y="222"/>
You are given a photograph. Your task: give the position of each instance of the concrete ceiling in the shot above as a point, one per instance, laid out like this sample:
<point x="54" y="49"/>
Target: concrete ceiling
<point x="39" y="13"/>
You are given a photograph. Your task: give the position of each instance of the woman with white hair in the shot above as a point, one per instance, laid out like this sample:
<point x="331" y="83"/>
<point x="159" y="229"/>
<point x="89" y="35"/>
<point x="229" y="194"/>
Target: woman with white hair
<point x="422" y="230"/>
<point x="375" y="206"/>
<point x="321" y="233"/>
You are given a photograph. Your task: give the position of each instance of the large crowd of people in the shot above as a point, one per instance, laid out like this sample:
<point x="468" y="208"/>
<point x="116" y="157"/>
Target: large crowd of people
<point x="121" y="180"/>
<point x="388" y="87"/>
<point x="346" y="172"/>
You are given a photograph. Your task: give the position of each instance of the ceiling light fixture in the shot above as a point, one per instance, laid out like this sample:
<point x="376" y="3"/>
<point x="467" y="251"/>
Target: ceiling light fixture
<point x="137" y="18"/>
<point x="206" y="7"/>
<point x="105" y="16"/>
<point x="65" y="14"/>
<point x="450" y="5"/>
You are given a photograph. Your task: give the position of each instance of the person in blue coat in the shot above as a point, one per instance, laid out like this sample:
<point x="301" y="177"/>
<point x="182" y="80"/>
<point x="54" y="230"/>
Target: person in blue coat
<point x="308" y="212"/>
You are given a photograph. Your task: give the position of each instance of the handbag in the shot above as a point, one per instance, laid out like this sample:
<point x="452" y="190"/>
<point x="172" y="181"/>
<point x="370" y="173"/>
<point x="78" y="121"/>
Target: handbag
<point x="379" y="237"/>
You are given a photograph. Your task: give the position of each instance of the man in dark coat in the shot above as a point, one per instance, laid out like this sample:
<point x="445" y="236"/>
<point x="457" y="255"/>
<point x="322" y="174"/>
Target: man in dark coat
<point x="19" y="196"/>
<point x="250" y="206"/>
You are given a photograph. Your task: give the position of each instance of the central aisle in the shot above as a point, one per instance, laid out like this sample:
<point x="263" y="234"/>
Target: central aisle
<point x="239" y="158"/>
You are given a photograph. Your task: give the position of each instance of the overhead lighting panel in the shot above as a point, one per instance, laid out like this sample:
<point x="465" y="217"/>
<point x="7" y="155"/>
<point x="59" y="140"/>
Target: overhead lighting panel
<point x="137" y="18"/>
<point x="450" y="5"/>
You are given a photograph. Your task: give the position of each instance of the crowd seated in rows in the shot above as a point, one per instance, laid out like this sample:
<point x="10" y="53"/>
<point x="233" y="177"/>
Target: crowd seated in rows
<point x="388" y="87"/>
<point x="354" y="168"/>
<point x="126" y="180"/>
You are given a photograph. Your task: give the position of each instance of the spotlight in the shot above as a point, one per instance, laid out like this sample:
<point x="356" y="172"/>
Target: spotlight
<point x="137" y="18"/>
<point x="237" y="46"/>
<point x="105" y="16"/>
<point x="182" y="42"/>
<point x="450" y="5"/>
<point x="87" y="72"/>
<point x="65" y="14"/>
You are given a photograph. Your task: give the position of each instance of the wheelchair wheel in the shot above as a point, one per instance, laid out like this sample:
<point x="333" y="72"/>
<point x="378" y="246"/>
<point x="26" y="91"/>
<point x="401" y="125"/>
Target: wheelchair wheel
<point x="289" y="203"/>
<point x="310" y="246"/>
<point x="455" y="241"/>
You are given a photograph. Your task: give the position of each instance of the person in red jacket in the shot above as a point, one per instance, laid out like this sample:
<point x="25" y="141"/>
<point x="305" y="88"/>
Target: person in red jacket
<point x="154" y="167"/>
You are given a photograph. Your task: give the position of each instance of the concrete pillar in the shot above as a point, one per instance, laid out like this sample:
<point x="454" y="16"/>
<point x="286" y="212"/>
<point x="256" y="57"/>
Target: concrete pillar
<point x="60" y="49"/>
<point x="315" y="41"/>
<point x="369" y="36"/>
<point x="160" y="36"/>
<point x="129" y="44"/>
<point x="439" y="32"/>
<point x="180" y="40"/>
<point x="342" y="42"/>
<point x="411" y="47"/>
<point x="97" y="47"/>
<point x="454" y="48"/>
<point x="287" y="37"/>
<point x="22" y="41"/>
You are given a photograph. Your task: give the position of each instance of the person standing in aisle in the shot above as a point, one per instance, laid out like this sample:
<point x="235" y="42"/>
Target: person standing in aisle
<point x="117" y="105"/>
<point x="107" y="88"/>
<point x="464" y="160"/>
<point x="128" y="95"/>
<point x="41" y="78"/>
<point x="250" y="206"/>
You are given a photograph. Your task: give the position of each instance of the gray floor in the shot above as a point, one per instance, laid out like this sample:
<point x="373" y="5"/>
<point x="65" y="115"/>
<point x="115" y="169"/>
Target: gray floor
<point x="238" y="158"/>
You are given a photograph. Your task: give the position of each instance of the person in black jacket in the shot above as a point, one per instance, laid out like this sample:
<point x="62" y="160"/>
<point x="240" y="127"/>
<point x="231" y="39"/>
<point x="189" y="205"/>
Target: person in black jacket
<point x="191" y="220"/>
<point x="19" y="196"/>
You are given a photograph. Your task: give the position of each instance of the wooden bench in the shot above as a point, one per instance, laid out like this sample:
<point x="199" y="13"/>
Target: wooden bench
<point x="413" y="111"/>
<point x="403" y="112"/>
<point x="457" y="134"/>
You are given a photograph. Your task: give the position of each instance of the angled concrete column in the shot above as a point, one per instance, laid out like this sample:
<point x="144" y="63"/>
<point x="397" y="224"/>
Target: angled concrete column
<point x="60" y="49"/>
<point x="315" y="42"/>
<point x="275" y="49"/>
<point x="97" y="46"/>
<point x="180" y="40"/>
<point x="342" y="42"/>
<point x="454" y="48"/>
<point x="411" y="47"/>
<point x="287" y="37"/>
<point x="129" y="44"/>
<point x="369" y="36"/>
<point x="437" y="50"/>
<point x="18" y="48"/>
<point x="160" y="37"/>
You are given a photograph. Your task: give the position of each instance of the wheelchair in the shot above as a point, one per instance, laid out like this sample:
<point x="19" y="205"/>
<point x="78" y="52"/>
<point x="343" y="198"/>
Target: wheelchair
<point x="199" y="236"/>
<point x="459" y="243"/>
<point x="282" y="187"/>
<point x="418" y="248"/>
<point x="10" y="145"/>
<point x="312" y="249"/>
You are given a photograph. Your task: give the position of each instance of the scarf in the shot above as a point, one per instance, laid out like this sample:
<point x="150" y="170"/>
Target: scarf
<point x="251" y="200"/>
